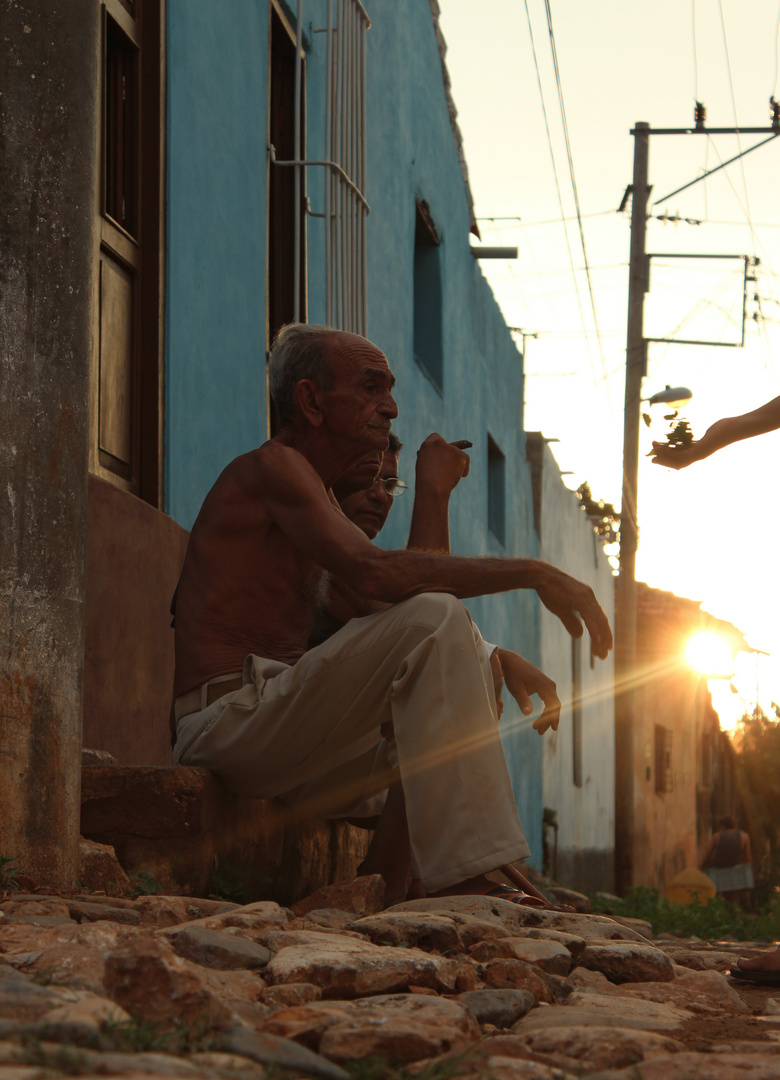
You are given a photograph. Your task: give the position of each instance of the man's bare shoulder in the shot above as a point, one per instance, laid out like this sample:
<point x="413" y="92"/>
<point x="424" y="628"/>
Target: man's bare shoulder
<point x="274" y="471"/>
<point x="274" y="467"/>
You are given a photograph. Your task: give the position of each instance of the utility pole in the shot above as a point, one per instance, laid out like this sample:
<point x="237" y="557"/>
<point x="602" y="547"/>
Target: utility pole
<point x="626" y="606"/>
<point x="627" y="718"/>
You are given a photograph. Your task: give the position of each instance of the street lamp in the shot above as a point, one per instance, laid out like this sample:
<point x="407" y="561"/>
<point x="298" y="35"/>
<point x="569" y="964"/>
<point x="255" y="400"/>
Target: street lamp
<point x="676" y="396"/>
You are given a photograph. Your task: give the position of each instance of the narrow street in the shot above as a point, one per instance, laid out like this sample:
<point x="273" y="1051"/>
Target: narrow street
<point x="471" y="986"/>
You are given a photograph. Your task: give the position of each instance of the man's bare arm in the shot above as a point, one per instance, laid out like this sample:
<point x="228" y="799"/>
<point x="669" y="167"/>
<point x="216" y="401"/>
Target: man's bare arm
<point x="720" y="434"/>
<point x="294" y="498"/>
<point x="440" y="467"/>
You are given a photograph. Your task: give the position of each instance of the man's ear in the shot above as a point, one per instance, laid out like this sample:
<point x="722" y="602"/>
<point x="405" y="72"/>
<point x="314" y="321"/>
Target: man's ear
<point x="307" y="398"/>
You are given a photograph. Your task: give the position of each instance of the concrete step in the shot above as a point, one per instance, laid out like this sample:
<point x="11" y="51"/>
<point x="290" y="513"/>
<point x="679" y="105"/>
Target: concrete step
<point x="180" y="825"/>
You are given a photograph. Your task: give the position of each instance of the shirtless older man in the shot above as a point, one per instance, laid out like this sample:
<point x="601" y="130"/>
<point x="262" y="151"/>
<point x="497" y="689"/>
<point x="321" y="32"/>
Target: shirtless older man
<point x="270" y="540"/>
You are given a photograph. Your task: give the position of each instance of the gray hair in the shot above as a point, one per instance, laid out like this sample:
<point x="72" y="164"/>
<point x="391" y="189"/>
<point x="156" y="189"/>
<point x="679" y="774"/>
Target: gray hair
<point x="299" y="352"/>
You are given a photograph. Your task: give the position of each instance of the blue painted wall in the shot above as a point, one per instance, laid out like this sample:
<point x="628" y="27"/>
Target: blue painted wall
<point x="216" y="405"/>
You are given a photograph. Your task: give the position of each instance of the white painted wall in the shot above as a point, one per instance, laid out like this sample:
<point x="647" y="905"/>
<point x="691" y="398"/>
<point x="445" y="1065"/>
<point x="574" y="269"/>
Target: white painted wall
<point x="586" y="814"/>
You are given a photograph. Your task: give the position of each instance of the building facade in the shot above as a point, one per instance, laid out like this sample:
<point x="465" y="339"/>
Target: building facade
<point x="579" y="759"/>
<point x="196" y="175"/>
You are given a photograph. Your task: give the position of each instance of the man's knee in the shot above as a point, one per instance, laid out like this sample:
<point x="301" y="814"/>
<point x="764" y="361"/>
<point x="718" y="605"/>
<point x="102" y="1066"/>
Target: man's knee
<point x="435" y="610"/>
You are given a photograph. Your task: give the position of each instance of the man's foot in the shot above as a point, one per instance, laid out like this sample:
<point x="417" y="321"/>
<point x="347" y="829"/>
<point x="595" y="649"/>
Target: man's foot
<point x="516" y="896"/>
<point x="483" y="886"/>
<point x="764" y="969"/>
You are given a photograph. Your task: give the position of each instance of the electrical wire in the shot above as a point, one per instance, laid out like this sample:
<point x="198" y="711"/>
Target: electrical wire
<point x="555" y="175"/>
<point x="695" y="61"/>
<point x="736" y="125"/>
<point x="754" y="236"/>
<point x="522" y="223"/>
<point x="574" y="190"/>
<point x="777" y="46"/>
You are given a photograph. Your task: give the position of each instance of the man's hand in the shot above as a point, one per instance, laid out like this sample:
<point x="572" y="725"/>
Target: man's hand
<point x="564" y="596"/>
<point x="441" y="465"/>
<point x="522" y="678"/>
<point x="498" y="680"/>
<point x="675" y="457"/>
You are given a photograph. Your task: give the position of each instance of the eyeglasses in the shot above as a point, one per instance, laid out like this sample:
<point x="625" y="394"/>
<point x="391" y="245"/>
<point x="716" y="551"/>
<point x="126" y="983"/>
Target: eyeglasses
<point x="394" y="486"/>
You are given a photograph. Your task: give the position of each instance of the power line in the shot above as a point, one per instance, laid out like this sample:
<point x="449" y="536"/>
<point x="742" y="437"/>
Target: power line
<point x="736" y="124"/>
<point x="550" y="221"/>
<point x="555" y="175"/>
<point x="695" y="61"/>
<point x="574" y="187"/>
<point x="777" y="34"/>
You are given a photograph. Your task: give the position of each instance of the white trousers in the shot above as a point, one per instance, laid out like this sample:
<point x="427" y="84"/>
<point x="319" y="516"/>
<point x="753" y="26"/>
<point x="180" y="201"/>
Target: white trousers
<point x="310" y="734"/>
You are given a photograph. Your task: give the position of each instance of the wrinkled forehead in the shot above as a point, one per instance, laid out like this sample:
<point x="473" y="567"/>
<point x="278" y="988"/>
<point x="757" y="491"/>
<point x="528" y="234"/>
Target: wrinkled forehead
<point x="349" y="355"/>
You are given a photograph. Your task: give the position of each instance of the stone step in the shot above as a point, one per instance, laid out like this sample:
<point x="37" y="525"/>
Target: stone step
<point x="180" y="825"/>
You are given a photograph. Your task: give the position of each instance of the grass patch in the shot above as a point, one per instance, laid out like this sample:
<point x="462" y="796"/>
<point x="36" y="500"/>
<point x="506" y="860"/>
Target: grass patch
<point x="378" y="1068"/>
<point x="713" y="918"/>
<point x="144" y="1037"/>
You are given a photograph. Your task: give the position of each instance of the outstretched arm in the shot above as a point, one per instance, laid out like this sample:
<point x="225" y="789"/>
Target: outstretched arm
<point x="722" y="433"/>
<point x="296" y="502"/>
<point x="440" y="468"/>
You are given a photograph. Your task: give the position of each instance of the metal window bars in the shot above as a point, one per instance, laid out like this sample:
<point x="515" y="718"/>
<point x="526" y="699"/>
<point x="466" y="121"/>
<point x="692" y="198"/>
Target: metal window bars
<point x="346" y="207"/>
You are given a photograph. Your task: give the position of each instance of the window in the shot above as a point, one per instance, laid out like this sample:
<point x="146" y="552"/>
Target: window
<point x="428" y="347"/>
<point x="126" y="390"/>
<point x="576" y="711"/>
<point x="345" y="207"/>
<point x="282" y="181"/>
<point x="496" y="486"/>
<point x="663" y="760"/>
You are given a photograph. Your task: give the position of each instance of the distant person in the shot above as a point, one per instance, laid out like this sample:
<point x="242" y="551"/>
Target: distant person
<point x="440" y="467"/>
<point x="720" y="434"/>
<point x="728" y="862"/>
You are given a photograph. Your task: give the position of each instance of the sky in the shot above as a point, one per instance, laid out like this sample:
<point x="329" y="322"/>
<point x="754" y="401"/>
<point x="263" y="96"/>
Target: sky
<point x="709" y="532"/>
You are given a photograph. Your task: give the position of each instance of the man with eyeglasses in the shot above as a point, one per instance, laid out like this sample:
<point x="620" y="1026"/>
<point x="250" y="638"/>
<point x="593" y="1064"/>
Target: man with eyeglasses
<point x="439" y="469"/>
<point x="269" y="546"/>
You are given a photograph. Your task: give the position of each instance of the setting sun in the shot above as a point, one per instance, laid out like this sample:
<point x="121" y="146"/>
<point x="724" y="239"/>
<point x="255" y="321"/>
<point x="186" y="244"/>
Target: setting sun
<point x="708" y="653"/>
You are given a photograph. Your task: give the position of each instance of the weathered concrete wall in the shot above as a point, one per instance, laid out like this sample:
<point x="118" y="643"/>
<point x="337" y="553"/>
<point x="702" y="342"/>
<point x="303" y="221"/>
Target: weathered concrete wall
<point x="586" y="813"/>
<point x="48" y="88"/>
<point x="134" y="558"/>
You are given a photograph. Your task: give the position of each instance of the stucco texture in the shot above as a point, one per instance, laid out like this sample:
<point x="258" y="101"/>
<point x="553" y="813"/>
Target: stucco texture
<point x="585" y="812"/>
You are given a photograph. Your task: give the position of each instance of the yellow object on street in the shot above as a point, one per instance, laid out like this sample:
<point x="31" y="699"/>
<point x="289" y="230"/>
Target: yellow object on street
<point x="689" y="884"/>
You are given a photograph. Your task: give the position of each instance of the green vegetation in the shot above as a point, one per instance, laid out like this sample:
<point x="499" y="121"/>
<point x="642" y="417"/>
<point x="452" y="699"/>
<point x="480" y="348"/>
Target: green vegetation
<point x="7" y="877"/>
<point x="713" y="919"/>
<point x="238" y="884"/>
<point x="141" y="1036"/>
<point x="377" y="1068"/>
<point x="145" y="884"/>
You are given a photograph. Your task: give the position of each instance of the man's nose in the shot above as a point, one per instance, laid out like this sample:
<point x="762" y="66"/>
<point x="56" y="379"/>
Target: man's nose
<point x="388" y="407"/>
<point x="378" y="492"/>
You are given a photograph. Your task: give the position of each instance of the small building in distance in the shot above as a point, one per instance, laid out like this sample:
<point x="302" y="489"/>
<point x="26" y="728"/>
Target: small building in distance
<point x="683" y="765"/>
<point x="578" y="770"/>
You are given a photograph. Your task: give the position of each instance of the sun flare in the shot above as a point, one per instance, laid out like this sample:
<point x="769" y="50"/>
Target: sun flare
<point x="709" y="654"/>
